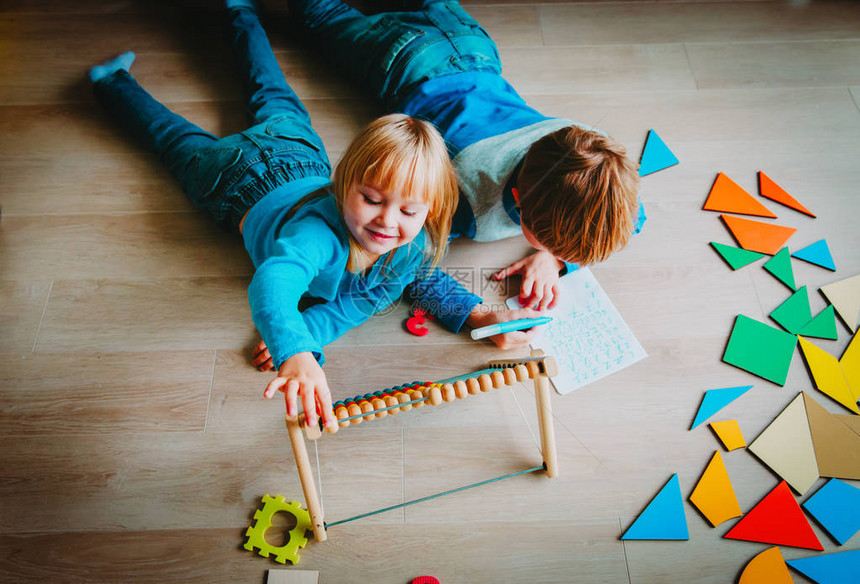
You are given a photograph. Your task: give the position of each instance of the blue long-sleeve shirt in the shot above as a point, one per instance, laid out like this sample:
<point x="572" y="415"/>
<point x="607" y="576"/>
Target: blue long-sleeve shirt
<point x="305" y="255"/>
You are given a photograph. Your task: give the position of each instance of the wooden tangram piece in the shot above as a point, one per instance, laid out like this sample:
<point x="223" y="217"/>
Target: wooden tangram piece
<point x="822" y="326"/>
<point x="768" y="567"/>
<point x="836" y="507"/>
<point x="828" y="375"/>
<point x="664" y="516"/>
<point x="850" y="420"/>
<point x="780" y="266"/>
<point x="817" y="253"/>
<point x="716" y="399"/>
<point x="837" y="446"/>
<point x="794" y="313"/>
<point x="656" y="155"/>
<point x="844" y="295"/>
<point x="729" y="433"/>
<point x="760" y="349"/>
<point x="758" y="236"/>
<point x="839" y="568"/>
<point x="786" y="447"/>
<point x="713" y="495"/>
<point x="777" y="519"/>
<point x="293" y="577"/>
<point x="735" y="256"/>
<point x="770" y="190"/>
<point x="727" y="196"/>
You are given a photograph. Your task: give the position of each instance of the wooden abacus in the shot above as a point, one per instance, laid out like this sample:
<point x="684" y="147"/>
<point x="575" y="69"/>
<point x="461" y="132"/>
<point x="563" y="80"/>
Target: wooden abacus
<point x="406" y="397"/>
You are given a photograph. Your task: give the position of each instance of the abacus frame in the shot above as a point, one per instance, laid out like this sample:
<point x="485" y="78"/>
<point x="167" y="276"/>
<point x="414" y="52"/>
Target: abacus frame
<point x="499" y="373"/>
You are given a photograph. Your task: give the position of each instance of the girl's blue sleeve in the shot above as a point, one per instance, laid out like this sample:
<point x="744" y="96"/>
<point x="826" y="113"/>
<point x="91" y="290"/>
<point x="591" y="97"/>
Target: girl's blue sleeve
<point x="279" y="283"/>
<point x="442" y="297"/>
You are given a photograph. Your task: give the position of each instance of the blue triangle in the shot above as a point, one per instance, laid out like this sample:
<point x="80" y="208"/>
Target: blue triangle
<point x="664" y="516"/>
<point x="717" y="399"/>
<point x="656" y="155"/>
<point x="818" y="253"/>
<point x="836" y="506"/>
<point x="841" y="568"/>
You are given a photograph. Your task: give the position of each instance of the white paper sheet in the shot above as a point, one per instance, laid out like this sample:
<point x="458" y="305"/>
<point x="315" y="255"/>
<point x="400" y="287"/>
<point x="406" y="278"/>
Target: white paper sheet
<point x="587" y="336"/>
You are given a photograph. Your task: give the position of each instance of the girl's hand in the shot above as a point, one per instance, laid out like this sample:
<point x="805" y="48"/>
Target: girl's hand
<point x="511" y="340"/>
<point x="539" y="288"/>
<point x="261" y="359"/>
<point x="300" y="376"/>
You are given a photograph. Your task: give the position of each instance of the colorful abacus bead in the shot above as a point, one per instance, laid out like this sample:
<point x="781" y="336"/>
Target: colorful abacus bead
<point x="498" y="379"/>
<point x="485" y="382"/>
<point x="366" y="407"/>
<point x="354" y="409"/>
<point x="433" y="395"/>
<point x="390" y="401"/>
<point x="448" y="392"/>
<point x="521" y="372"/>
<point x="510" y="376"/>
<point x="341" y="412"/>
<point x="460" y="389"/>
<point x="473" y="386"/>
<point x="404" y="397"/>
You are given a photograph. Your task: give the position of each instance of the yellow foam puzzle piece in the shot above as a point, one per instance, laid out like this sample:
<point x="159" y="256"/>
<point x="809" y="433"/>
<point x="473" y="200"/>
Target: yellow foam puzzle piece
<point x="714" y="495"/>
<point x="729" y="433"/>
<point x="828" y="376"/>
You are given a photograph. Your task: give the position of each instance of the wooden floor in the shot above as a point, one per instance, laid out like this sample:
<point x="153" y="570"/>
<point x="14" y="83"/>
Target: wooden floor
<point x="134" y="443"/>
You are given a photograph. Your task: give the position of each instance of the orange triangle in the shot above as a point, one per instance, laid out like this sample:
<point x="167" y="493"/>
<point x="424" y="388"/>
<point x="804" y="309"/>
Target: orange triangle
<point x="726" y="195"/>
<point x="774" y="192"/>
<point x="757" y="235"/>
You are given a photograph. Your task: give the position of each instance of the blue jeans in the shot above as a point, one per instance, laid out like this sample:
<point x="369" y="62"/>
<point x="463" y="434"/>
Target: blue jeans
<point x="225" y="176"/>
<point x="393" y="53"/>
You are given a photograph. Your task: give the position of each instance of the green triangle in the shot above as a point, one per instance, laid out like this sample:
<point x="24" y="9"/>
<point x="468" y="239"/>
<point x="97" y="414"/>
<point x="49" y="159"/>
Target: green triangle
<point x="735" y="256"/>
<point x="823" y="326"/>
<point x="794" y="313"/>
<point x="780" y="266"/>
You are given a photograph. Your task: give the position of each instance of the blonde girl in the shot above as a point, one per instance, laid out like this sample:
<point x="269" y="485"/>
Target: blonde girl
<point x="352" y="244"/>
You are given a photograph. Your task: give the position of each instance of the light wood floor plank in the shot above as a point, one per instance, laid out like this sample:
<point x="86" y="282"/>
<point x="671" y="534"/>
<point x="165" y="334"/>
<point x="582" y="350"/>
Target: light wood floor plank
<point x="609" y="68"/>
<point x="21" y="313"/>
<point x="695" y="22"/>
<point x="783" y="64"/>
<point x="107" y="393"/>
<point x="122" y="246"/>
<point x="147" y="315"/>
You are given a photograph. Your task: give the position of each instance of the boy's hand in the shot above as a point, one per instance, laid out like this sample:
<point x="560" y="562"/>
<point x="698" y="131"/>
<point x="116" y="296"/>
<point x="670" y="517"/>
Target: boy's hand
<point x="539" y="288"/>
<point x="300" y="376"/>
<point x="262" y="360"/>
<point x="511" y="340"/>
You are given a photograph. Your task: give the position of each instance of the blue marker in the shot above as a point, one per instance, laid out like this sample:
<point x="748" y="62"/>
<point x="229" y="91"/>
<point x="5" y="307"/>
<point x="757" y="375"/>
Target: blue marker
<point x="506" y="327"/>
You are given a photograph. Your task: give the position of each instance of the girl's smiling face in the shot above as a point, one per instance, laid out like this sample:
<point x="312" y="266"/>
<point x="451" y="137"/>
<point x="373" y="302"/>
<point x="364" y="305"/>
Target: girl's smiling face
<point x="382" y="220"/>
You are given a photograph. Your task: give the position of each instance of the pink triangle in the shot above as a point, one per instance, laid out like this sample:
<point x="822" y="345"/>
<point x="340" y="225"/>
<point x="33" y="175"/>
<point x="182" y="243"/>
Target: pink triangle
<point x="778" y="520"/>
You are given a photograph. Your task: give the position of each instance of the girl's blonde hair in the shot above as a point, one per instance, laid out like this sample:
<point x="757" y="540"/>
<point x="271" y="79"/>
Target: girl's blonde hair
<point x="399" y="152"/>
